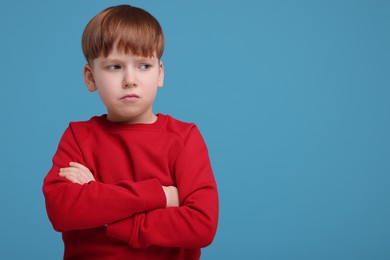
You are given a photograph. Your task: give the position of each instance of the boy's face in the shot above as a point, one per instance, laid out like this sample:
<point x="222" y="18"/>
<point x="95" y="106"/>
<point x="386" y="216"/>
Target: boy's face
<point x="127" y="85"/>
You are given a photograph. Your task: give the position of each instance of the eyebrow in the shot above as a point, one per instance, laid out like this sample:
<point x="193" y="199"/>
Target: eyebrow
<point x="148" y="59"/>
<point x="108" y="60"/>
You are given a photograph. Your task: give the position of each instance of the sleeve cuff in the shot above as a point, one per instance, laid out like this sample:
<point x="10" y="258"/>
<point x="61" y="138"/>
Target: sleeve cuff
<point x="122" y="230"/>
<point x="149" y="193"/>
<point x="152" y="194"/>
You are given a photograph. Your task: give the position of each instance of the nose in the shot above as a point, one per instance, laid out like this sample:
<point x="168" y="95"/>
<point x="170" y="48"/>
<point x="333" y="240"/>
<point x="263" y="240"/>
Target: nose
<point x="129" y="79"/>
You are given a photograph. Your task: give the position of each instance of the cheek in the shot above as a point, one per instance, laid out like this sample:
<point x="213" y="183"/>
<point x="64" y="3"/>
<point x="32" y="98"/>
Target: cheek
<point x="105" y="78"/>
<point x="106" y="92"/>
<point x="107" y="85"/>
<point x="105" y="97"/>
<point x="152" y="81"/>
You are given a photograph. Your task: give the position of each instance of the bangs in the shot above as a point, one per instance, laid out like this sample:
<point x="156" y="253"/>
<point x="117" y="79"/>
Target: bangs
<point x="126" y="28"/>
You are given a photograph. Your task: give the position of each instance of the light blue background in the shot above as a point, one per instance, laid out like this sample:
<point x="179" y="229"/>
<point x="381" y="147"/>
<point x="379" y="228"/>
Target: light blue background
<point x="292" y="97"/>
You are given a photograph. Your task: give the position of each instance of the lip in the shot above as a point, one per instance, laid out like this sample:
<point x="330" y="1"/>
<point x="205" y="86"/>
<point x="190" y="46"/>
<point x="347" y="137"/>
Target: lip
<point x="130" y="97"/>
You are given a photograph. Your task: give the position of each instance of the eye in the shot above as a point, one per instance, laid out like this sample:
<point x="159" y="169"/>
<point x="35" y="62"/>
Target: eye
<point x="144" y="66"/>
<point x="114" y="67"/>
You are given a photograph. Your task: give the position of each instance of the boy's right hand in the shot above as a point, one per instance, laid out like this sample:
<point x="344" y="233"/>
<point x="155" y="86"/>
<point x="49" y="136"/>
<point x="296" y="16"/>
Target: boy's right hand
<point x="77" y="173"/>
<point x="171" y="195"/>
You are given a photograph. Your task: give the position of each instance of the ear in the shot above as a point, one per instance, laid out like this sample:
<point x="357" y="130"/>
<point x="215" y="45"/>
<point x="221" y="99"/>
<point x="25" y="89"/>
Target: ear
<point x="88" y="78"/>
<point x="161" y="75"/>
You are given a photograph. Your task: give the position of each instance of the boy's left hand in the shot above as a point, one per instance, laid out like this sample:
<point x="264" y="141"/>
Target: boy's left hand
<point x="77" y="173"/>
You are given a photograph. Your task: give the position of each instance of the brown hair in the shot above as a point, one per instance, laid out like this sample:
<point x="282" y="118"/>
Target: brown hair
<point x="124" y="27"/>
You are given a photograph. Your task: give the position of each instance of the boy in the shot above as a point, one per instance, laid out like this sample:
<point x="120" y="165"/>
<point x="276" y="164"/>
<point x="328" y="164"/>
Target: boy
<point x="130" y="184"/>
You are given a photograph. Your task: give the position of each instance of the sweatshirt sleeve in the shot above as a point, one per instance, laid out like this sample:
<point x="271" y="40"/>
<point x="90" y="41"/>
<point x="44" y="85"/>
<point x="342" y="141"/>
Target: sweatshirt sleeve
<point x="72" y="206"/>
<point x="194" y="223"/>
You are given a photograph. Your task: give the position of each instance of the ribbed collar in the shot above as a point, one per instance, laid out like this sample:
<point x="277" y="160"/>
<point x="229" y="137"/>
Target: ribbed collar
<point x="156" y="126"/>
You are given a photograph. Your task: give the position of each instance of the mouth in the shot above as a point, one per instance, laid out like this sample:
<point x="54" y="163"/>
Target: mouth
<point x="130" y="97"/>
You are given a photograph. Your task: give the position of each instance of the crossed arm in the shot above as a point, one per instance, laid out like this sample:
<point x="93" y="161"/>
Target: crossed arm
<point x="138" y="214"/>
<point x="78" y="173"/>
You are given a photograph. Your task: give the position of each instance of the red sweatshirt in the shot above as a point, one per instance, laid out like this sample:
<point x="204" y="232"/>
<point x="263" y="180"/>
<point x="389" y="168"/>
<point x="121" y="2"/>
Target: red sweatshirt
<point x="130" y="164"/>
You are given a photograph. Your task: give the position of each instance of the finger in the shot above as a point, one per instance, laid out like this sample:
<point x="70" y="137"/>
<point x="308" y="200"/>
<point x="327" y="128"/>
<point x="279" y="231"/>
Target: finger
<point x="74" y="180"/>
<point x="70" y="170"/>
<point x="76" y="171"/>
<point x="85" y="171"/>
<point x="74" y="175"/>
<point x="78" y="165"/>
<point x="70" y="176"/>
